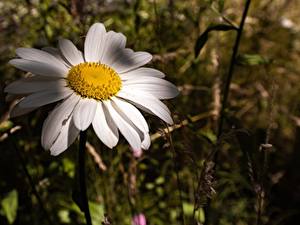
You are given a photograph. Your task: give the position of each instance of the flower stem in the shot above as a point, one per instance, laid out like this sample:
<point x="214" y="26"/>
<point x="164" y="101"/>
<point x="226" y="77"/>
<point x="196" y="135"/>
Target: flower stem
<point x="82" y="183"/>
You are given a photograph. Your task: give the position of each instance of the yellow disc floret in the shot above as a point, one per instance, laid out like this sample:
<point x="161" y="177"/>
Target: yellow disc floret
<point x="94" y="80"/>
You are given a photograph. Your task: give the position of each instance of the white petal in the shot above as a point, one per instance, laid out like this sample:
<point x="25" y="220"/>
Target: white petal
<point x="10" y="97"/>
<point x="19" y="111"/>
<point x="57" y="54"/>
<point x="160" y="88"/>
<point x="128" y="60"/>
<point x="146" y="141"/>
<point x="66" y="137"/>
<point x="94" y="42"/>
<point x="43" y="98"/>
<point x="39" y="68"/>
<point x="134" y="118"/>
<point x="37" y="55"/>
<point x="70" y="52"/>
<point x="114" y="43"/>
<point x="53" y="51"/>
<point x="127" y="130"/>
<point x="84" y="113"/>
<point x="132" y="113"/>
<point x="142" y="72"/>
<point x="104" y="127"/>
<point x="34" y="84"/>
<point x="56" y="119"/>
<point x="148" y="103"/>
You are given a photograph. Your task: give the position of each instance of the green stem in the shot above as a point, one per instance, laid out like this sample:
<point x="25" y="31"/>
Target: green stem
<point x="231" y="68"/>
<point x="82" y="183"/>
<point x="214" y="154"/>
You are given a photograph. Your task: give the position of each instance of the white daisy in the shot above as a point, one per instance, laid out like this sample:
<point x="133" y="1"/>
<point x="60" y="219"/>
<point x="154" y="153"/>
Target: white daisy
<point x="103" y="87"/>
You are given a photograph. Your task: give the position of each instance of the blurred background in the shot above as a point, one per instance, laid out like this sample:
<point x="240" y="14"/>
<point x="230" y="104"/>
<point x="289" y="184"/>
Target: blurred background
<point x="256" y="178"/>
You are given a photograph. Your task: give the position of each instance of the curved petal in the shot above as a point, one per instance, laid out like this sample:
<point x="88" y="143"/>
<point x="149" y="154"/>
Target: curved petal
<point x="34" y="84"/>
<point x="94" y="43"/>
<point x="56" y="120"/>
<point x="159" y="88"/>
<point x="128" y="60"/>
<point x="10" y="97"/>
<point x="39" y="68"/>
<point x="66" y="137"/>
<point x="147" y="102"/>
<point x="43" y="98"/>
<point x="134" y="118"/>
<point x="70" y="52"/>
<point x="41" y="56"/>
<point x="132" y="113"/>
<point x="57" y="54"/>
<point x="19" y="111"/>
<point x="141" y="73"/>
<point x="114" y="43"/>
<point x="105" y="128"/>
<point x="130" y="134"/>
<point x="84" y="113"/>
<point x="146" y="141"/>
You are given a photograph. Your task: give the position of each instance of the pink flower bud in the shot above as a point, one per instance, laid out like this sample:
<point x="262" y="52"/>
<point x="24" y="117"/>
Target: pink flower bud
<point x="137" y="153"/>
<point x="139" y="219"/>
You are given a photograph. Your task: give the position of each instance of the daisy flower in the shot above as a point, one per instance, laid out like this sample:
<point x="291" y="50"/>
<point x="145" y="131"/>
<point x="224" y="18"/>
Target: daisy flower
<point x="102" y="87"/>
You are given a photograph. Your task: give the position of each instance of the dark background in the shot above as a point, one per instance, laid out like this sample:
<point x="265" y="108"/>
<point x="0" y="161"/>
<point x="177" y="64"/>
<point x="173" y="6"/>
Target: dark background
<point x="252" y="179"/>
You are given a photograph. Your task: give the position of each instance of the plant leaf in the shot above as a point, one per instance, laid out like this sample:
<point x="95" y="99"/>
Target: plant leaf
<point x="97" y="212"/>
<point x="10" y="206"/>
<point x="202" y="39"/>
<point x="251" y="60"/>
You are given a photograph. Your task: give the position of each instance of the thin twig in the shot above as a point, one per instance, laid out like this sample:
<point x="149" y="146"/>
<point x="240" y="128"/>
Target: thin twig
<point x="82" y="183"/>
<point x="182" y="123"/>
<point x="96" y="156"/>
<point x="265" y="149"/>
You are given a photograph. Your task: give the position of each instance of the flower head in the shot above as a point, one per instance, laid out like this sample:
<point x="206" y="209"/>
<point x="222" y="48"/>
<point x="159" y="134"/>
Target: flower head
<point x="103" y="86"/>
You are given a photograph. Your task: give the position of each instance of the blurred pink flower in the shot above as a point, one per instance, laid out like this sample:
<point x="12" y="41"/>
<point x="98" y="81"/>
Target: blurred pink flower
<point x="139" y="219"/>
<point x="137" y="153"/>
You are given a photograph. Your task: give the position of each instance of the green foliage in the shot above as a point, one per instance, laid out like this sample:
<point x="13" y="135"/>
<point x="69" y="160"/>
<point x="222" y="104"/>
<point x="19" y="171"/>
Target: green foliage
<point x="251" y="60"/>
<point x="97" y="212"/>
<point x="6" y="125"/>
<point x="209" y="135"/>
<point x="9" y="206"/>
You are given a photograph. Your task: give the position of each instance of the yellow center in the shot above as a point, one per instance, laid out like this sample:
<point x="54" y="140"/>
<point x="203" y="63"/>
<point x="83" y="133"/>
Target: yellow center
<point x="94" y="80"/>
